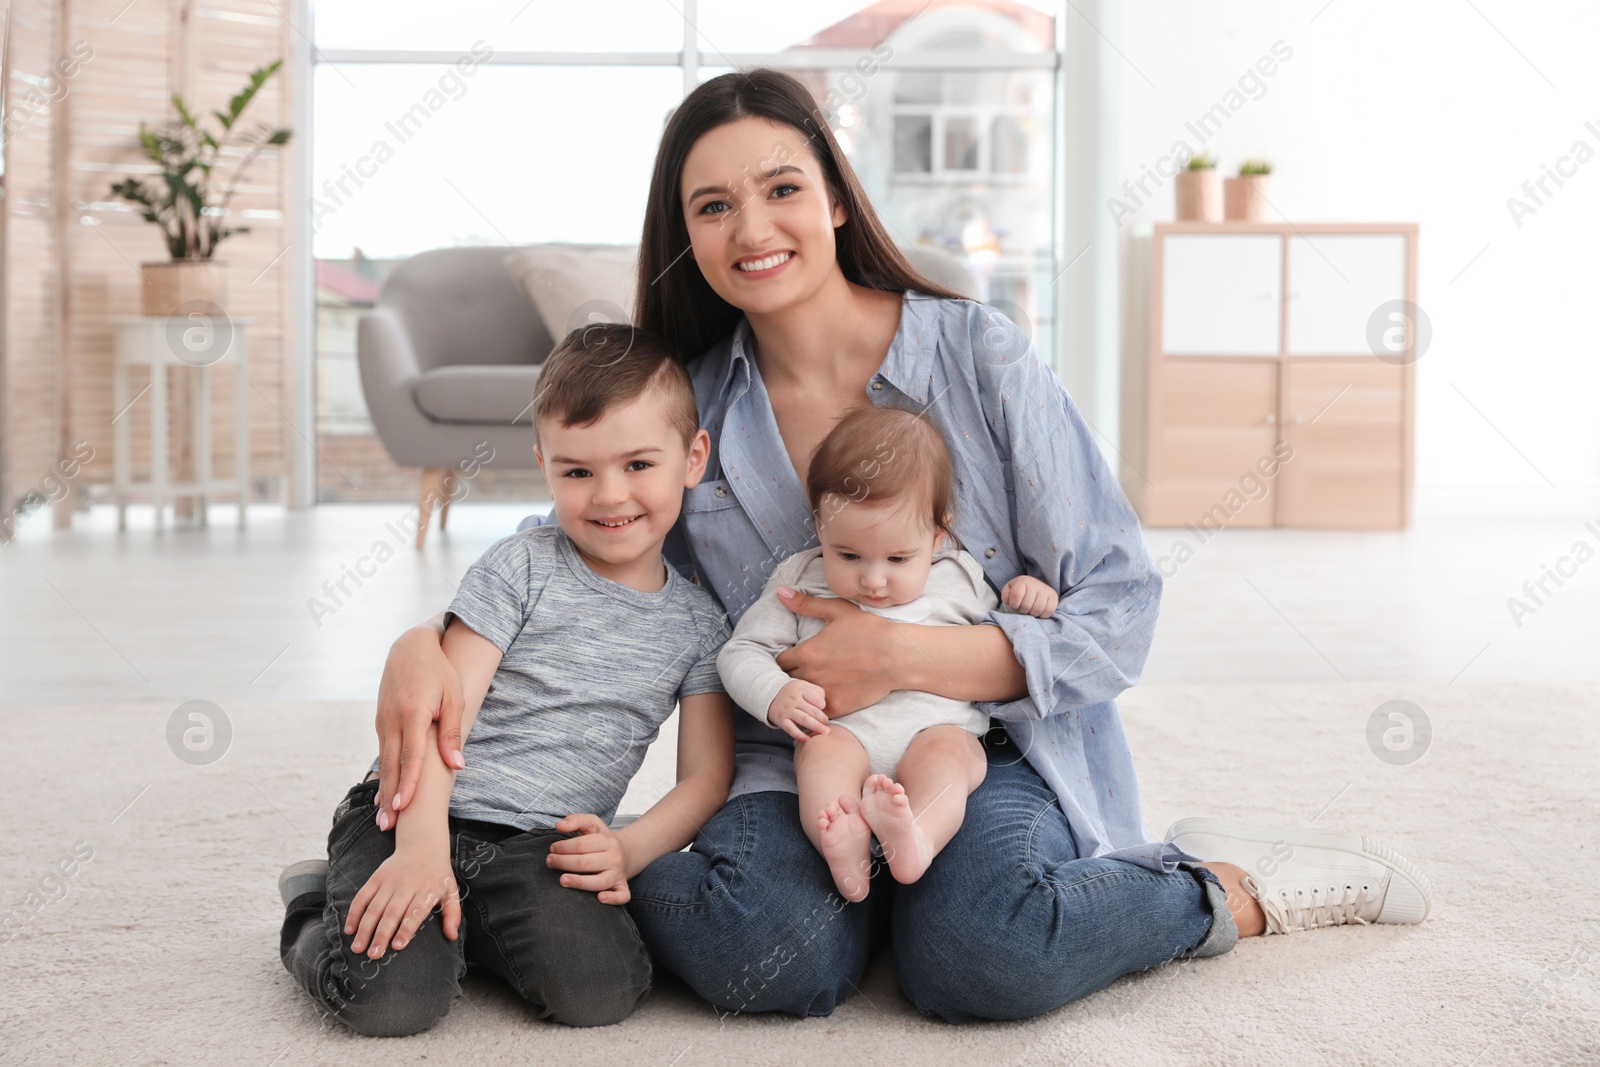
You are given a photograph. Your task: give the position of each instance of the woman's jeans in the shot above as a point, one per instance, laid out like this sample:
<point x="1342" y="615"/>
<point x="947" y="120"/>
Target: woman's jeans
<point x="1007" y="923"/>
<point x="574" y="959"/>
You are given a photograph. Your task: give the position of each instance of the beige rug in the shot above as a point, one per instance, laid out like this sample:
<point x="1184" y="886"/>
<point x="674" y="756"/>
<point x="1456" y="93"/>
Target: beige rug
<point x="161" y="947"/>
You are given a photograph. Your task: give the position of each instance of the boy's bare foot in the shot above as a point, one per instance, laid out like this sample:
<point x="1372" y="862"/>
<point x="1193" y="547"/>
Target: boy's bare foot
<point x="847" y="846"/>
<point x="887" y="809"/>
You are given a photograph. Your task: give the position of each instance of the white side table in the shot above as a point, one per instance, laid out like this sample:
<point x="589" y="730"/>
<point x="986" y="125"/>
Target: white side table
<point x="197" y="343"/>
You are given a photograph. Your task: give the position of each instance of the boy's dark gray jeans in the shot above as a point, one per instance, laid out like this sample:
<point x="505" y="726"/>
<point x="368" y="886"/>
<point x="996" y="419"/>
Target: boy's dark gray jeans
<point x="575" y="960"/>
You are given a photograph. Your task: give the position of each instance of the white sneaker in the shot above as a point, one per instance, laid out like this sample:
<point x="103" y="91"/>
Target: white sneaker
<point x="1304" y="879"/>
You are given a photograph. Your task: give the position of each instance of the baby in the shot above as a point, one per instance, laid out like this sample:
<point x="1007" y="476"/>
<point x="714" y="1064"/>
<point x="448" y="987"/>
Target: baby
<point x="880" y="487"/>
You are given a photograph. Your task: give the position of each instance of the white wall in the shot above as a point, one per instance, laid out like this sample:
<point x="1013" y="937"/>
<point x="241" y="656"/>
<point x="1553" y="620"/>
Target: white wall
<point x="1421" y="111"/>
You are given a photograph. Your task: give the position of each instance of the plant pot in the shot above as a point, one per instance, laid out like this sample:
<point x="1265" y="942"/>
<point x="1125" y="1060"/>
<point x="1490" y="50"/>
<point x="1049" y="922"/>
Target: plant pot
<point x="169" y="286"/>
<point x="1199" y="195"/>
<point x="1245" y="198"/>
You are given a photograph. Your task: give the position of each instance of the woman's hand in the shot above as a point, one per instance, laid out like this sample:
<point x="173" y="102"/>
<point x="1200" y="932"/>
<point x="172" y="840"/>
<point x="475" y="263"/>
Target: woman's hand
<point x="595" y="860"/>
<point x="400" y="896"/>
<point x="854" y="658"/>
<point x="419" y="685"/>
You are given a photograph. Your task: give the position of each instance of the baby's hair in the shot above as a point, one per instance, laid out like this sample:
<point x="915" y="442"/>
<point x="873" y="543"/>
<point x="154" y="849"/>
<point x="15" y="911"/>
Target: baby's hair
<point x="598" y="367"/>
<point x="879" y="456"/>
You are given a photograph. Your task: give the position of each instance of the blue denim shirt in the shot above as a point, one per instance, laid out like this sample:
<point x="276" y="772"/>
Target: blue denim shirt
<point x="1033" y="496"/>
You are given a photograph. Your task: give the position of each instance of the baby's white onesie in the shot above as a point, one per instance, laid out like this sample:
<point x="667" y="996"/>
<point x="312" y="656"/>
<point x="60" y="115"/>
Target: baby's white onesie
<point x="956" y="595"/>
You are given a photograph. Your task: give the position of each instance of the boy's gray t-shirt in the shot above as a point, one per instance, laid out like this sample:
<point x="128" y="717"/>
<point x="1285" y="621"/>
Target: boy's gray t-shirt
<point x="591" y="668"/>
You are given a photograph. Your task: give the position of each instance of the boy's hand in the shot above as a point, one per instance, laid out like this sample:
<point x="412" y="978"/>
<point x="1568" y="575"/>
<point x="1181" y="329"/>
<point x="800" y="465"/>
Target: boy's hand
<point x="399" y="897"/>
<point x="1030" y="596"/>
<point x="594" y="861"/>
<point x="797" y="710"/>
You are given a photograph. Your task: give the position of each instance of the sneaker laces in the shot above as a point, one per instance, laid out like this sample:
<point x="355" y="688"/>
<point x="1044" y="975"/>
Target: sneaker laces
<point x="1310" y="908"/>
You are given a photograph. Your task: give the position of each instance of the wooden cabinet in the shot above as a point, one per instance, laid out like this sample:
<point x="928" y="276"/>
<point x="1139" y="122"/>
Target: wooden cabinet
<point x="1217" y="417"/>
<point x="1251" y="393"/>
<point x="1346" y="423"/>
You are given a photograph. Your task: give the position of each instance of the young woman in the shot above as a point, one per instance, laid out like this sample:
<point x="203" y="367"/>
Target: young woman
<point x="763" y="262"/>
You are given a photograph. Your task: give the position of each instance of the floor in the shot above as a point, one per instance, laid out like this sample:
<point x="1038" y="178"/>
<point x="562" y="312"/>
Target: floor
<point x="303" y="605"/>
<point x="1277" y="654"/>
<point x="148" y="932"/>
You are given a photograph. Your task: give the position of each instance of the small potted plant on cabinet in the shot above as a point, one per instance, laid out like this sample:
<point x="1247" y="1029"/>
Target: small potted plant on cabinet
<point x="190" y="195"/>
<point x="1198" y="189"/>
<point x="1245" y="197"/>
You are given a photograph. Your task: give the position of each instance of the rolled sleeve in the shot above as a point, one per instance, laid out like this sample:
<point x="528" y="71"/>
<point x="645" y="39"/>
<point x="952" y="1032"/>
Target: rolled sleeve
<point x="1076" y="530"/>
<point x="1066" y="665"/>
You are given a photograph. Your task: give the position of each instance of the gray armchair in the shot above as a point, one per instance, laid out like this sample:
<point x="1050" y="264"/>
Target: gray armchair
<point x="450" y="359"/>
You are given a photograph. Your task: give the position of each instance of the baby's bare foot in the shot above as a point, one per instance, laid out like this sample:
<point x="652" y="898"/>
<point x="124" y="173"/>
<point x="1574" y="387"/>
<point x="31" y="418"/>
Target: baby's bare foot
<point x="887" y="809"/>
<point x="847" y="846"/>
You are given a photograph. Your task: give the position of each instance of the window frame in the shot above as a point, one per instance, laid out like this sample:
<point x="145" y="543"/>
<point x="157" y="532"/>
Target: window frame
<point x="689" y="59"/>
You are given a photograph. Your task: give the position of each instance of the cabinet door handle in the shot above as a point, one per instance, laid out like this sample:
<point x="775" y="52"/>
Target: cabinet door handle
<point x="1270" y="418"/>
<point x="1298" y="419"/>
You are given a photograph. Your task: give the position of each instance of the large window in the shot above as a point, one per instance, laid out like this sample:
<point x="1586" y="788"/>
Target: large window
<point x="409" y="157"/>
<point x="516" y="122"/>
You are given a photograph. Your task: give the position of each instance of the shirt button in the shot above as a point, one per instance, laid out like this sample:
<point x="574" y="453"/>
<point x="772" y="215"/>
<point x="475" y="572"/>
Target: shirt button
<point x="722" y="490"/>
<point x="989" y="554"/>
<point x="877" y="386"/>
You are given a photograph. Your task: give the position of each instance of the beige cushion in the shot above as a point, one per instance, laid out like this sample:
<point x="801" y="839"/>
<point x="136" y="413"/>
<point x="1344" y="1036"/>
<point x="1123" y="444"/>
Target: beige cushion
<point x="575" y="285"/>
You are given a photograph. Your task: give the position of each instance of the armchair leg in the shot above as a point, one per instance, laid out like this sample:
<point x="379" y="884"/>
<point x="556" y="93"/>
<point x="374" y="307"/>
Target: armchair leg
<point x="449" y="491"/>
<point x="432" y="491"/>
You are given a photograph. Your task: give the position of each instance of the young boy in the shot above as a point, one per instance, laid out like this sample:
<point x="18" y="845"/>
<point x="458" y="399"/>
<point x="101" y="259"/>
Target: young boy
<point x="573" y="642"/>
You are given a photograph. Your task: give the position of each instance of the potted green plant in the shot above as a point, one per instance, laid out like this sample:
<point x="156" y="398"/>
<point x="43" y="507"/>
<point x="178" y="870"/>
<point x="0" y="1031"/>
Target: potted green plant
<point x="1245" y="198"/>
<point x="190" y="194"/>
<point x="1198" y="190"/>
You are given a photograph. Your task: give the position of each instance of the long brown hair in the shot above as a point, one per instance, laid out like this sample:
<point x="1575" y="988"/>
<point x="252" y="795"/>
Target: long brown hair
<point x="674" y="298"/>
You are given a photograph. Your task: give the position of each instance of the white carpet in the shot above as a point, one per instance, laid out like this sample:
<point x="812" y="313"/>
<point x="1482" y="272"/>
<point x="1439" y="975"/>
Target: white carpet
<point x="164" y="947"/>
